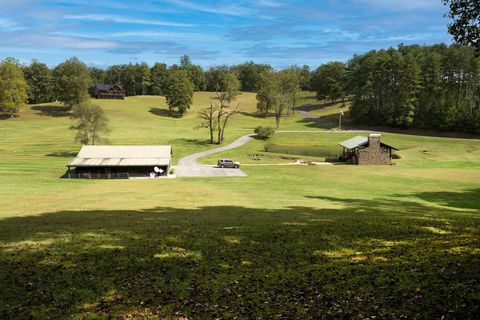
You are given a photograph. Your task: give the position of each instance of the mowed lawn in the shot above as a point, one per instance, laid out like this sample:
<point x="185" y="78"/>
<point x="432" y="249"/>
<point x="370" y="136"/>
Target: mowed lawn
<point x="286" y="242"/>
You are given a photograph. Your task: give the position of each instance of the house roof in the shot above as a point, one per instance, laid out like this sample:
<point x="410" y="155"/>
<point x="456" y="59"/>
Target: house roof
<point x="122" y="156"/>
<point x="105" y="87"/>
<point x="360" y="141"/>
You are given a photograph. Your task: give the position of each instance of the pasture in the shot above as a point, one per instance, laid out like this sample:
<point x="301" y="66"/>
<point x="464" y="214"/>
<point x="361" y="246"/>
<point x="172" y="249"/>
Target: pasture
<point x="327" y="241"/>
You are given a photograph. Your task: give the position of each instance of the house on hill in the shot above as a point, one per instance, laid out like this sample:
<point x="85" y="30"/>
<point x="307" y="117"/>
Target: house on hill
<point x="362" y="150"/>
<point x="117" y="162"/>
<point x="109" y="91"/>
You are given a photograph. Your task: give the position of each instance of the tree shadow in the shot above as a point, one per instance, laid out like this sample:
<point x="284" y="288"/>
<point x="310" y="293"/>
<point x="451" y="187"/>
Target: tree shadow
<point x="377" y="257"/>
<point x="195" y="142"/>
<point x="164" y="113"/>
<point x="464" y="200"/>
<point x="253" y="114"/>
<point x="316" y="106"/>
<point x="52" y="111"/>
<point x="5" y="116"/>
<point x="323" y="122"/>
<point x="63" y="154"/>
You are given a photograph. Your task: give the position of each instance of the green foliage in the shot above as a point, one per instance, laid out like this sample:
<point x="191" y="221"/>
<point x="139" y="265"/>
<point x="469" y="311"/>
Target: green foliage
<point x="465" y="27"/>
<point x="179" y="91"/>
<point x="91" y="123"/>
<point x="229" y="88"/>
<point x="433" y="87"/>
<point x="215" y="78"/>
<point x="264" y="132"/>
<point x="134" y="78"/>
<point x="158" y="77"/>
<point x="40" y="82"/>
<point x="329" y="81"/>
<point x="250" y="75"/>
<point x="72" y="81"/>
<point x="195" y="73"/>
<point x="13" y="87"/>
<point x="224" y="109"/>
<point x="277" y="93"/>
<point x="142" y="78"/>
<point x="391" y="242"/>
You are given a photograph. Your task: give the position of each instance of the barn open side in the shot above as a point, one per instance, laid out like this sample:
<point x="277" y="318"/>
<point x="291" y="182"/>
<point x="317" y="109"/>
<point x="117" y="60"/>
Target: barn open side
<point x="120" y="162"/>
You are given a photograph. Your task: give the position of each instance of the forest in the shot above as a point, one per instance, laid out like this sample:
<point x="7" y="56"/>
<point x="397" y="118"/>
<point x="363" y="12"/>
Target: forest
<point x="428" y="87"/>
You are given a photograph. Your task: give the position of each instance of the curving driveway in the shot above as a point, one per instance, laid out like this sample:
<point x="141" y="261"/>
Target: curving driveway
<point x="189" y="167"/>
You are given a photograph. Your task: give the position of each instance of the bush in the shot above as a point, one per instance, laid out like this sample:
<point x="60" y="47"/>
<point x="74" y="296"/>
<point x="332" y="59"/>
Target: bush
<point x="264" y="132"/>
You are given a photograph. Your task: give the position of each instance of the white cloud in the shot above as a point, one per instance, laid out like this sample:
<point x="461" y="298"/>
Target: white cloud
<point x="232" y="10"/>
<point x="9" y="25"/>
<point x="117" y="19"/>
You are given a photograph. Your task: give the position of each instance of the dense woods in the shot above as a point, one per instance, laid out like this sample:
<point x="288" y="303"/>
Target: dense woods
<point x="431" y="87"/>
<point x="434" y="87"/>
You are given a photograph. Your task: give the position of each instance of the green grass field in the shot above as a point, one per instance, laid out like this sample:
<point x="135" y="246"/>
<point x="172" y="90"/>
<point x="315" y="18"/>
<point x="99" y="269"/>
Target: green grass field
<point x="286" y="242"/>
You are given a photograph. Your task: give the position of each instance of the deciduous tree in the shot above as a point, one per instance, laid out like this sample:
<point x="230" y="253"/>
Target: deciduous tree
<point x="465" y="27"/>
<point x="40" y="82"/>
<point x="91" y="124"/>
<point x="13" y="87"/>
<point x="72" y="80"/>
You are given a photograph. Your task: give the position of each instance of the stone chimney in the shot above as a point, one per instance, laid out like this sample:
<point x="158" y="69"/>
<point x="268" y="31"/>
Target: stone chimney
<point x="374" y="140"/>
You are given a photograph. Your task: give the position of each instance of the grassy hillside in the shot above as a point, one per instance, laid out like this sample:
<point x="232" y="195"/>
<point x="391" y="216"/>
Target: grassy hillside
<point x="285" y="242"/>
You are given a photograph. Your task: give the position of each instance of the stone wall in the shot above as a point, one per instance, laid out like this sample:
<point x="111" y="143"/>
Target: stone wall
<point x="374" y="154"/>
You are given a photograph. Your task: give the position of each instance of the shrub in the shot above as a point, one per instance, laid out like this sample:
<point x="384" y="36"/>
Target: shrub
<point x="264" y="132"/>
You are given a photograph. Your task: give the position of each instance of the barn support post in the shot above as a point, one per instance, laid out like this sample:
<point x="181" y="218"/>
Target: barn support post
<point x="68" y="172"/>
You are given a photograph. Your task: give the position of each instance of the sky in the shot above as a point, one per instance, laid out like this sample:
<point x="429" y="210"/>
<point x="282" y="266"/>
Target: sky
<point x="278" y="32"/>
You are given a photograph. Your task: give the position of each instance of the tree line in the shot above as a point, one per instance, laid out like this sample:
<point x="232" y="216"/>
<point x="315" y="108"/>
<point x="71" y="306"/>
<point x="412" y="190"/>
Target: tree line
<point x="433" y="87"/>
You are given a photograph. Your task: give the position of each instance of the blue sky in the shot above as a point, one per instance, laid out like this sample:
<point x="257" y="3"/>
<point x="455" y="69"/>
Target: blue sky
<point x="278" y="32"/>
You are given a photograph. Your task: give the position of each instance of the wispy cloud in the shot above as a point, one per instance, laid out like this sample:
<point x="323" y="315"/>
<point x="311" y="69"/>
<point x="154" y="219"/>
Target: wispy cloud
<point x="227" y="9"/>
<point x="401" y="4"/>
<point x="118" y="19"/>
<point x="77" y="42"/>
<point x="191" y="36"/>
<point x="9" y="25"/>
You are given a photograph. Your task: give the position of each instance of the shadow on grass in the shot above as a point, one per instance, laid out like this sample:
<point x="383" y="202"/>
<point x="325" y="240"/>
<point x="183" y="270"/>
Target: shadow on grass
<point x="316" y="106"/>
<point x="383" y="258"/>
<point x="4" y="116"/>
<point x="258" y="115"/>
<point x="63" y="154"/>
<point x="52" y="111"/>
<point x="194" y="142"/>
<point x="164" y="113"/>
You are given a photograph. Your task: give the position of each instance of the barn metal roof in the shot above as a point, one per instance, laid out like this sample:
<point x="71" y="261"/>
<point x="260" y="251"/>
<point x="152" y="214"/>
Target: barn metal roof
<point x="360" y="141"/>
<point x="126" y="156"/>
<point x="354" y="142"/>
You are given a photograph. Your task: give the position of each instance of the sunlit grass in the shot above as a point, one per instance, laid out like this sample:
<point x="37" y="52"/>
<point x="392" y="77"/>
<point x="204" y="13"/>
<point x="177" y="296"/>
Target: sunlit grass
<point x="285" y="242"/>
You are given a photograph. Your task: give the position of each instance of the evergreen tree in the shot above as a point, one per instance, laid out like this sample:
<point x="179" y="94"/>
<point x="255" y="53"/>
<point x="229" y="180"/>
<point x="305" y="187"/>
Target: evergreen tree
<point x="179" y="93"/>
<point x="158" y="78"/>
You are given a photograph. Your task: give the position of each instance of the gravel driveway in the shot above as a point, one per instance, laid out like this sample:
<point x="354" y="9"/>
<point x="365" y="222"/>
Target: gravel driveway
<point x="189" y="167"/>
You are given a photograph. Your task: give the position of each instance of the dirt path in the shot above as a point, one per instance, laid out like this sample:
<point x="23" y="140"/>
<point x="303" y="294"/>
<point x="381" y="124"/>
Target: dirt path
<point x="189" y="167"/>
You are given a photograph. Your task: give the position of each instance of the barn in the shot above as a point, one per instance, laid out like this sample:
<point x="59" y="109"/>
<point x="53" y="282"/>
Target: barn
<point x="362" y="150"/>
<point x="120" y="162"/>
<point x="109" y="91"/>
